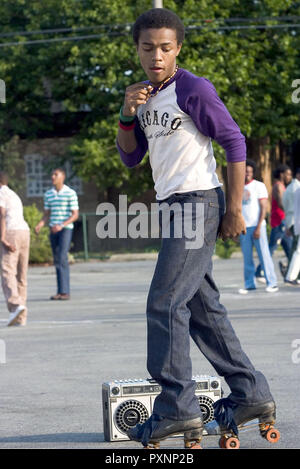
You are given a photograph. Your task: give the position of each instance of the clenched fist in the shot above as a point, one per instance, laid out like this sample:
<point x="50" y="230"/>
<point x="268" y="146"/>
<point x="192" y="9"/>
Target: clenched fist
<point x="233" y="224"/>
<point x="135" y="95"/>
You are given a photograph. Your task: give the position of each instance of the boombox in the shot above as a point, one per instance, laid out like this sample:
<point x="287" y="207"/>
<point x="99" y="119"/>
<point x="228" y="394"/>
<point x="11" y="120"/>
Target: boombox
<point x="129" y="402"/>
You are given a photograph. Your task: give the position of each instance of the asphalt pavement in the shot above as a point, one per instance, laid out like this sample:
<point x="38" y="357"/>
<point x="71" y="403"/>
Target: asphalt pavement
<point x="52" y="370"/>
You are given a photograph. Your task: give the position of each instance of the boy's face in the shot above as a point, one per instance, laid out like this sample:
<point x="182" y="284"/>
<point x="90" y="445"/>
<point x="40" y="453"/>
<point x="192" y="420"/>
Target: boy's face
<point x="57" y="177"/>
<point x="157" y="50"/>
<point x="287" y="177"/>
<point x="249" y="174"/>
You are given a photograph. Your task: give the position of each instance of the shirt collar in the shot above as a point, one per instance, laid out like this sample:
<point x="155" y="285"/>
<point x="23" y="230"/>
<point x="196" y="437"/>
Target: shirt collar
<point x="62" y="190"/>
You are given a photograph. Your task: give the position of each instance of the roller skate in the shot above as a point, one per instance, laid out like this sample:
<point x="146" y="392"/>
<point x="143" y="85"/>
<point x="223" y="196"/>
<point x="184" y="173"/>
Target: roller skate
<point x="158" y="428"/>
<point x="233" y="417"/>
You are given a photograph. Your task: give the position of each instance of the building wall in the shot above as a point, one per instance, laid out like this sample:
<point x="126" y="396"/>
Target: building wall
<point x="53" y="149"/>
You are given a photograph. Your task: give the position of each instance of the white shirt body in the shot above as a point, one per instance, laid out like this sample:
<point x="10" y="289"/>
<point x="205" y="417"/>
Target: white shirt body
<point x="254" y="191"/>
<point x="14" y="218"/>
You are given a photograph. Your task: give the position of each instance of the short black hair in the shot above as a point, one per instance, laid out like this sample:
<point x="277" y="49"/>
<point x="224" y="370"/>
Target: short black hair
<point x="297" y="170"/>
<point x="252" y="164"/>
<point x="61" y="170"/>
<point x="157" y="18"/>
<point x="282" y="168"/>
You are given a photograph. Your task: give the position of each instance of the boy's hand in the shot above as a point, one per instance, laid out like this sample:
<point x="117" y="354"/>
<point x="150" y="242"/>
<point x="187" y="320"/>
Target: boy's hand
<point x="56" y="228"/>
<point x="9" y="246"/>
<point x="256" y="233"/>
<point x="135" y="95"/>
<point x="38" y="227"/>
<point x="233" y="224"/>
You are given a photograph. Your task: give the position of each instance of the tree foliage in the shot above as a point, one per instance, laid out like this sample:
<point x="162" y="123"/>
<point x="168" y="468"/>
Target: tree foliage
<point x="12" y="163"/>
<point x="40" y="248"/>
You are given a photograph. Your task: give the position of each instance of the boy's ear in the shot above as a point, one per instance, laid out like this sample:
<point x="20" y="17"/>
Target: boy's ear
<point x="178" y="49"/>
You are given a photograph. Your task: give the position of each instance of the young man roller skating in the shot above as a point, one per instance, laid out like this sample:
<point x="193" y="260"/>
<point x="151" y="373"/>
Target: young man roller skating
<point x="174" y="115"/>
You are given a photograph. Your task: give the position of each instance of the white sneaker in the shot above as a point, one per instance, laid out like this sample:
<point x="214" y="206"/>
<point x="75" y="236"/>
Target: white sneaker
<point x="15" y="314"/>
<point x="261" y="279"/>
<point x="272" y="289"/>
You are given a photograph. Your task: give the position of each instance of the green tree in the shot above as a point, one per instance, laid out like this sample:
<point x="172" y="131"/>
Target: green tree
<point x="12" y="163"/>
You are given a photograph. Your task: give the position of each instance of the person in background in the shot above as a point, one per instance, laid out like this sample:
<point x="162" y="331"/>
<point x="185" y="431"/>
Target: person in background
<point x="61" y="209"/>
<point x="288" y="205"/>
<point x="255" y="204"/>
<point x="294" y="266"/>
<point x="282" y="176"/>
<point x="15" y="245"/>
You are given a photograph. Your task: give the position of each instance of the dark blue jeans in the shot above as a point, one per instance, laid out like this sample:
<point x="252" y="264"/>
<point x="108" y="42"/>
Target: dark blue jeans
<point x="183" y="302"/>
<point x="60" y="244"/>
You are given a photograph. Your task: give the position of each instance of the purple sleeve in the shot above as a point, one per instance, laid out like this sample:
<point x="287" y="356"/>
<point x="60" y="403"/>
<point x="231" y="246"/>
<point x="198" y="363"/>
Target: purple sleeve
<point x="136" y="156"/>
<point x="198" y="98"/>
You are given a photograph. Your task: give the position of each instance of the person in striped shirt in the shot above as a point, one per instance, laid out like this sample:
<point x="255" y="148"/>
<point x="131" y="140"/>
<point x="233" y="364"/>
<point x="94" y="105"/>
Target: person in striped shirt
<point x="60" y="210"/>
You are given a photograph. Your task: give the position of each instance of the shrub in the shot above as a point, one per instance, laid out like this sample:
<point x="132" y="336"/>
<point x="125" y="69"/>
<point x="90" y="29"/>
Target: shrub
<point x="224" y="249"/>
<point x="40" y="248"/>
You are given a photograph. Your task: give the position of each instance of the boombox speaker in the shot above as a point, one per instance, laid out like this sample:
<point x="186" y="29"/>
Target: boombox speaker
<point x="129" y="402"/>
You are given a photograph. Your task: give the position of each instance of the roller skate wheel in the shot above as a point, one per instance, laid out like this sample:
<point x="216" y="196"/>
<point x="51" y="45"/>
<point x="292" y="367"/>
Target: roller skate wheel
<point x="192" y="444"/>
<point x="272" y="435"/>
<point x="231" y="443"/>
<point x="222" y="442"/>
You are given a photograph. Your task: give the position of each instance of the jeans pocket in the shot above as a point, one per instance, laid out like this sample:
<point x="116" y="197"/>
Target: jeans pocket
<point x="213" y="217"/>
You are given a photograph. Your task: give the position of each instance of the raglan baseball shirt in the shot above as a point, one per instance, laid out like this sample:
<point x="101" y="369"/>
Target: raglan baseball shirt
<point x="177" y="126"/>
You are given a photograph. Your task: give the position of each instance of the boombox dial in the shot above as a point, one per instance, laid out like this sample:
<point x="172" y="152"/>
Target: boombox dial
<point x="129" y="414"/>
<point x="207" y="409"/>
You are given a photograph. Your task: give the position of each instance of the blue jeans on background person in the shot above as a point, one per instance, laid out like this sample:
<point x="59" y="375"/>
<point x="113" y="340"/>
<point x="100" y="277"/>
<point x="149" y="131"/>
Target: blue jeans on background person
<point x="277" y="236"/>
<point x="183" y="302"/>
<point x="247" y="242"/>
<point x="60" y="244"/>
